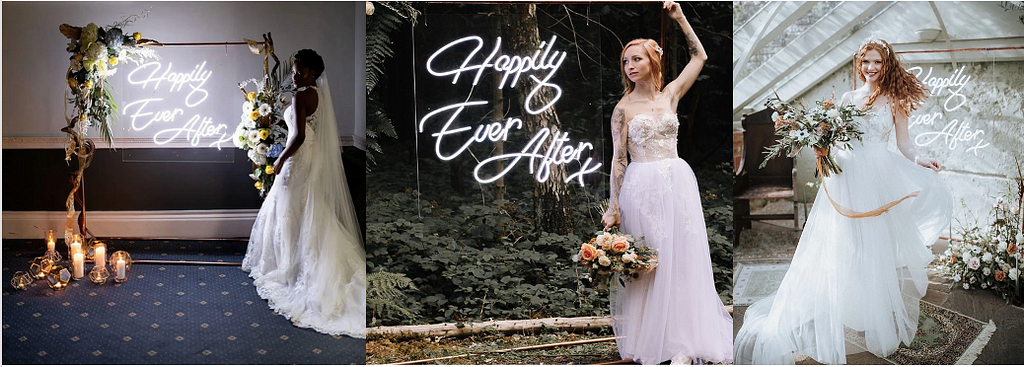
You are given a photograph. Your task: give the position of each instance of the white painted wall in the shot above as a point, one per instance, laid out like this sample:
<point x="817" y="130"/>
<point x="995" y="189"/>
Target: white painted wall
<point x="993" y="111"/>
<point x="35" y="56"/>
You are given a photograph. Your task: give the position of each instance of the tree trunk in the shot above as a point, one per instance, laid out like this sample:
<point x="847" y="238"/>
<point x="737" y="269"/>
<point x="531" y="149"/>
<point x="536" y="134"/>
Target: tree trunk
<point x="460" y="329"/>
<point x="551" y="201"/>
<point x="498" y="114"/>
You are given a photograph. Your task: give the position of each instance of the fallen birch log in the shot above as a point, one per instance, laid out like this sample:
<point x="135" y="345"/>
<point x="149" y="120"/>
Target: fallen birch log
<point x="509" y="326"/>
<point x="517" y="349"/>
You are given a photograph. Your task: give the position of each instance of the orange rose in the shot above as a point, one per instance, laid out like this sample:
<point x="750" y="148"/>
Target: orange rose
<point x="952" y="259"/>
<point x="588" y="252"/>
<point x="1011" y="249"/>
<point x="1000" y="276"/>
<point x="620" y="245"/>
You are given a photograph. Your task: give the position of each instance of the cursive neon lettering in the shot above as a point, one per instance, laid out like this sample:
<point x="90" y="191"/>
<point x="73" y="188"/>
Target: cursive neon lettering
<point x="153" y="74"/>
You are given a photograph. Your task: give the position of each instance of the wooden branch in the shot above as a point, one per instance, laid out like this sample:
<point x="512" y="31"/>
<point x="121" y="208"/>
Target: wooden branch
<point x="463" y="329"/>
<point x="531" y="347"/>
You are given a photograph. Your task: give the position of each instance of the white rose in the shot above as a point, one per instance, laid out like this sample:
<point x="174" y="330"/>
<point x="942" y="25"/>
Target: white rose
<point x="832" y="113"/>
<point x="974" y="264"/>
<point x="264" y="109"/>
<point x="239" y="137"/>
<point x="600" y="253"/>
<point x="987" y="257"/>
<point x="956" y="277"/>
<point x="628" y="258"/>
<point x="257" y="158"/>
<point x="1019" y="238"/>
<point x="247" y="108"/>
<point x="1001" y="246"/>
<point x="986" y="271"/>
<point x="1013" y="273"/>
<point x="604" y="240"/>
<point x="604" y="261"/>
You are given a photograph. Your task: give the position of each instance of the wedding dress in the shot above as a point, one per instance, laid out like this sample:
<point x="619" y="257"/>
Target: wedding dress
<point x="305" y="250"/>
<point x="857" y="277"/>
<point x="673" y="312"/>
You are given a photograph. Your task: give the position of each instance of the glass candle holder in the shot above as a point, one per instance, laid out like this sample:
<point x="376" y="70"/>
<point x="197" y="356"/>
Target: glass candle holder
<point x="58" y="278"/>
<point x="40" y="267"/>
<point x="99" y="274"/>
<point x="76" y="245"/>
<point x="51" y="241"/>
<point x="21" y="280"/>
<point x="120" y="263"/>
<point x="78" y="265"/>
<point x="96" y="248"/>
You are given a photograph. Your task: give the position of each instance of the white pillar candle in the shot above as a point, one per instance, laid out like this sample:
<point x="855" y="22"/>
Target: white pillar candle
<point x="101" y="256"/>
<point x="76" y="247"/>
<point x="120" y="269"/>
<point x="79" y="264"/>
<point x="50" y="245"/>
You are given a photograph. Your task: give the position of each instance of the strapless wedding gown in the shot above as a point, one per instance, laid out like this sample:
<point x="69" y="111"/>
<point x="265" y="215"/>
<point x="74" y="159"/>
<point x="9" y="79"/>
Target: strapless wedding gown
<point x="862" y="277"/>
<point x="672" y="313"/>
<point x="306" y="264"/>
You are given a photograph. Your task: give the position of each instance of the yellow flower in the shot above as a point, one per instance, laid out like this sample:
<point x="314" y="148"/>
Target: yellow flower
<point x="88" y="84"/>
<point x="254" y="115"/>
<point x="251" y="96"/>
<point x="137" y="36"/>
<point x="83" y="118"/>
<point x="79" y="57"/>
<point x="259" y="185"/>
<point x="113" y="61"/>
<point x="72" y="82"/>
<point x="264" y="133"/>
<point x="269" y="170"/>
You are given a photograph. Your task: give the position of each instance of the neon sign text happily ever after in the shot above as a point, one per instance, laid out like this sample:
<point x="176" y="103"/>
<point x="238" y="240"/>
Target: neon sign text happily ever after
<point x="950" y="91"/>
<point x="547" y="147"/>
<point x="191" y="84"/>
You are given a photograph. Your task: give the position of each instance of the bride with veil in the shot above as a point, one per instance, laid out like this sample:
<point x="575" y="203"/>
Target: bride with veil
<point x="305" y="250"/>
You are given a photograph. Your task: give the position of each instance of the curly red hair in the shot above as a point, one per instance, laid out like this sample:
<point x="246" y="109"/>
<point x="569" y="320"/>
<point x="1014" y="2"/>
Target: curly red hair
<point x="650" y="47"/>
<point x="905" y="91"/>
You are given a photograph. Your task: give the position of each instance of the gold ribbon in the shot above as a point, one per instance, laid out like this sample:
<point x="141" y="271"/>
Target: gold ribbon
<point x="261" y="48"/>
<point x="850" y="213"/>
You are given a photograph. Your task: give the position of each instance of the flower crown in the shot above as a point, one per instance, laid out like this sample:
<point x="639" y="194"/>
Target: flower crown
<point x="875" y="41"/>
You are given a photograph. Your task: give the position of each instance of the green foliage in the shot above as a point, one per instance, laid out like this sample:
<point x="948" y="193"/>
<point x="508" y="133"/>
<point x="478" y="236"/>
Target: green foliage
<point x="385" y="295"/>
<point x="476" y="258"/>
<point x="379" y="28"/>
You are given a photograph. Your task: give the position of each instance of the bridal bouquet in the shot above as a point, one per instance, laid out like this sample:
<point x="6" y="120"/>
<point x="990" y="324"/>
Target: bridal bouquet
<point x="611" y="252"/>
<point x="824" y="126"/>
<point x="260" y="132"/>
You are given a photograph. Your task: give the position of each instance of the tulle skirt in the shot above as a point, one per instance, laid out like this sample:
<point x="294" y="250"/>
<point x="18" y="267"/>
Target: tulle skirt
<point x="853" y="275"/>
<point x="309" y="267"/>
<point x="673" y="312"/>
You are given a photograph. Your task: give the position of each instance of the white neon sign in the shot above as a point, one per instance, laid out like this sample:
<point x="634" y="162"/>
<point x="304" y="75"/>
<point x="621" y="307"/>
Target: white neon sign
<point x="956" y="132"/>
<point x="559" y="150"/>
<point x="197" y="127"/>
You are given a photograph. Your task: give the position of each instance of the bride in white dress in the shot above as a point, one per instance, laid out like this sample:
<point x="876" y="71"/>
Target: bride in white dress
<point x="673" y="312"/>
<point x="859" y="268"/>
<point x="305" y="250"/>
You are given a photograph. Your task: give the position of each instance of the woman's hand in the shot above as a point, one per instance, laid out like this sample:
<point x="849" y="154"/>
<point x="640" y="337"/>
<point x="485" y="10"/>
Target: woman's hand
<point x="278" y="165"/>
<point x="929" y="164"/>
<point x="610" y="218"/>
<point x="673" y="10"/>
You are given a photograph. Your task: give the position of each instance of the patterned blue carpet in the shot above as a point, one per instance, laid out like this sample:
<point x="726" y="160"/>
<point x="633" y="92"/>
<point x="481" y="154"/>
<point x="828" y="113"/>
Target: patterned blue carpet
<point x="164" y="314"/>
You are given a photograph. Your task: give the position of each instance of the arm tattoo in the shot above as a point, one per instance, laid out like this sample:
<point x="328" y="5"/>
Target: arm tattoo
<point x="691" y="43"/>
<point x="619" y="161"/>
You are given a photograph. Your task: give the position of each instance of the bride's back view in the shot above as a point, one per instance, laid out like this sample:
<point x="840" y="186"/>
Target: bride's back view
<point x="305" y="250"/>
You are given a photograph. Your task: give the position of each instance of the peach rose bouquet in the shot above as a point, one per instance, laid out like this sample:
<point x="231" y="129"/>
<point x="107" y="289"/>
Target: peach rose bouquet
<point x="612" y="252"/>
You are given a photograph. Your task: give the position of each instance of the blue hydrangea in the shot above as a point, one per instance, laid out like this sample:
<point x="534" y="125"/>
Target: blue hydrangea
<point x="275" y="151"/>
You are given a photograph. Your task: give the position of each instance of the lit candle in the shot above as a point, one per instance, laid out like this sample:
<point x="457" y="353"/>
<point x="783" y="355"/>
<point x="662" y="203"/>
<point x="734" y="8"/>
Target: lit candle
<point x="101" y="256"/>
<point x="79" y="264"/>
<point x="76" y="248"/>
<point x="120" y="269"/>
<point x="50" y="245"/>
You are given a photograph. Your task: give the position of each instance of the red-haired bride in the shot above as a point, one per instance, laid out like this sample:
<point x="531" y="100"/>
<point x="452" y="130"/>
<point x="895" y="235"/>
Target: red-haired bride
<point x="673" y="312"/>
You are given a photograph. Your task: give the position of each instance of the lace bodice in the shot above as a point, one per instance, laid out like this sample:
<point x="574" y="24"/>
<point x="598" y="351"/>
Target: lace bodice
<point x="877" y="124"/>
<point x="311" y="119"/>
<point x="653" y="137"/>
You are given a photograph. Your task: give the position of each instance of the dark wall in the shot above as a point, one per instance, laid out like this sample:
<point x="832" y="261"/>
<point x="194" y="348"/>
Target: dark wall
<point x="147" y="179"/>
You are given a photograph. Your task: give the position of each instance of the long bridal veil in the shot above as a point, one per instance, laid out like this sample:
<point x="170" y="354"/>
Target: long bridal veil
<point x="332" y="291"/>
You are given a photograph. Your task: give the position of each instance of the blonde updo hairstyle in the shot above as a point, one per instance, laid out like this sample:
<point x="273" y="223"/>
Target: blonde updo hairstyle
<point x="653" y="52"/>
